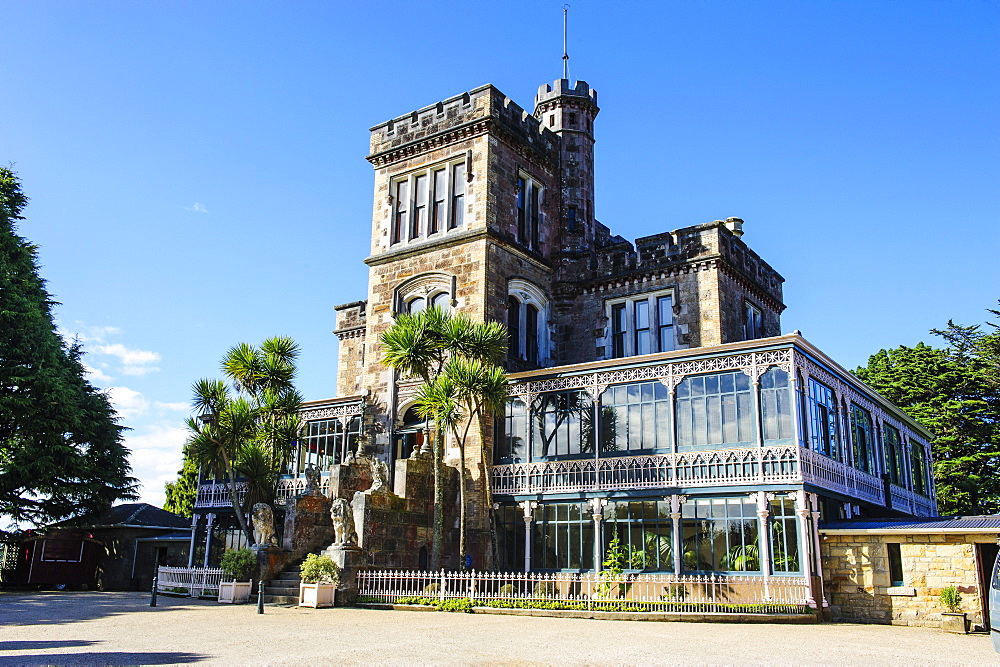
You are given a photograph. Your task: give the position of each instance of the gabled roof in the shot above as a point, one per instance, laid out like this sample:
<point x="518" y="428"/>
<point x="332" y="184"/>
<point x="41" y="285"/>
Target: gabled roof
<point x="989" y="523"/>
<point x="131" y="515"/>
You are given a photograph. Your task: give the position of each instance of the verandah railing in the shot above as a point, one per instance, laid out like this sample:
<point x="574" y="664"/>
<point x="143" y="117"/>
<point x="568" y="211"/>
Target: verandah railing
<point x="216" y="494"/>
<point x="628" y="592"/>
<point x="193" y="581"/>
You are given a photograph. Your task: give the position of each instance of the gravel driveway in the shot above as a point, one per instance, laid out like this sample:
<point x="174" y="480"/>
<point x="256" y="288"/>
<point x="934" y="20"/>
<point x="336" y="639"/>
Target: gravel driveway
<point x="121" y="628"/>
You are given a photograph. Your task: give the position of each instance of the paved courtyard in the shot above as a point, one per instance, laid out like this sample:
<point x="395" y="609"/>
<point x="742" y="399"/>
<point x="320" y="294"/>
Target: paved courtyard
<point x="121" y="628"/>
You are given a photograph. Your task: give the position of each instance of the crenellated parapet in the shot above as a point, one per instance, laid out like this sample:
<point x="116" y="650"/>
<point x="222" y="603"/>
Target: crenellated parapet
<point x="456" y="119"/>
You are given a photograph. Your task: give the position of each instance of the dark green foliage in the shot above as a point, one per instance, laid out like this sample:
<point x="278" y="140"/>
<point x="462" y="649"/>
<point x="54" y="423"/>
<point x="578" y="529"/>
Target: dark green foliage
<point x="181" y="493"/>
<point x="468" y="606"/>
<point x="61" y="450"/>
<point x="239" y="564"/>
<point x="954" y="393"/>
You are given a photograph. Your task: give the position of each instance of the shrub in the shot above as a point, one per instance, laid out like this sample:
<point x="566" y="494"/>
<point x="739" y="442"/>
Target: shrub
<point x="545" y="589"/>
<point x="239" y="564"/>
<point x="951" y="598"/>
<point x="319" y="570"/>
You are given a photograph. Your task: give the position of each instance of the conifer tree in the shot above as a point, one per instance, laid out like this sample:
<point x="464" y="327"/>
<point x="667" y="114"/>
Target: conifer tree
<point x="61" y="450"/>
<point x="182" y="491"/>
<point x="954" y="393"/>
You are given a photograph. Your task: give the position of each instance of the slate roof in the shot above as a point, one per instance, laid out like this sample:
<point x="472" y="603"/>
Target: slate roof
<point x="133" y="515"/>
<point x="985" y="523"/>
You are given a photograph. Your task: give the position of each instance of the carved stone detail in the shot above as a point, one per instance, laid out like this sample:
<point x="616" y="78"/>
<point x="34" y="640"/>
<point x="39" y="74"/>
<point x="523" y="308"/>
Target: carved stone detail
<point x="343" y="522"/>
<point x="263" y="525"/>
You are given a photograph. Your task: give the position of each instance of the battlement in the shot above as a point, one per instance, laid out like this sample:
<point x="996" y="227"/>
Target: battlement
<point x="483" y="103"/>
<point x="562" y="88"/>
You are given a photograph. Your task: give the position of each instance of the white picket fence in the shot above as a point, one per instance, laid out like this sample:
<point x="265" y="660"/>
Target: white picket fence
<point x="199" y="581"/>
<point x="629" y="592"/>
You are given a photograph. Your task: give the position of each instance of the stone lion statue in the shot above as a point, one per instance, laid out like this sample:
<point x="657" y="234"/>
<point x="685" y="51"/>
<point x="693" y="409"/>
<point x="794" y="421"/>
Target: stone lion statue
<point x="343" y="522"/>
<point x="263" y="525"/>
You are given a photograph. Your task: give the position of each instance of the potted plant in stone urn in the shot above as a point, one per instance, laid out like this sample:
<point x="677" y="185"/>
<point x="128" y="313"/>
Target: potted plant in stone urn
<point x="320" y="576"/>
<point x="237" y="566"/>
<point x="952" y="620"/>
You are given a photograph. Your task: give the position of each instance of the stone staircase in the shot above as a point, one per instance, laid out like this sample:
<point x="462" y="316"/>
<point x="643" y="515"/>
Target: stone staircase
<point x="284" y="588"/>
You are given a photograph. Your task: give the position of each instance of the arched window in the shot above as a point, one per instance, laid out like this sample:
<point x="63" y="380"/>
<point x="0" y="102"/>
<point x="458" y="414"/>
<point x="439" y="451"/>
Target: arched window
<point x="424" y="291"/>
<point x="527" y="326"/>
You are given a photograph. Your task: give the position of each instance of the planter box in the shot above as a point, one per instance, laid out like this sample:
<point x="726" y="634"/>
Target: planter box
<point x="316" y="595"/>
<point x="954" y="622"/>
<point x="234" y="592"/>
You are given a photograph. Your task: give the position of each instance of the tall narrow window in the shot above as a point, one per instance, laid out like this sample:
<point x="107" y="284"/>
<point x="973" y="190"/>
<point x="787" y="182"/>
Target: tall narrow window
<point x="457" y="195"/>
<point x="665" y="323"/>
<point x="440" y="200"/>
<point x="531" y="334"/>
<point x="642" y="327"/>
<point x="513" y="328"/>
<point x="536" y="209"/>
<point x="918" y="463"/>
<point x="776" y="406"/>
<point x="571" y="218"/>
<point x="864" y="442"/>
<point x="753" y="326"/>
<point x="822" y="419"/>
<point x="522" y="213"/>
<point x="618" y="330"/>
<point x="420" y="206"/>
<point x="402" y="204"/>
<point x="892" y="443"/>
<point x="895" y="564"/>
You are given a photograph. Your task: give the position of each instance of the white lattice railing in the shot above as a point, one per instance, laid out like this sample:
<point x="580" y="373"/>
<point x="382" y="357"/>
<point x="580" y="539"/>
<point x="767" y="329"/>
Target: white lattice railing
<point x="716" y="467"/>
<point x="288" y="488"/>
<point x="631" y="592"/>
<point x="216" y="494"/>
<point x="836" y="476"/>
<point x="193" y="581"/>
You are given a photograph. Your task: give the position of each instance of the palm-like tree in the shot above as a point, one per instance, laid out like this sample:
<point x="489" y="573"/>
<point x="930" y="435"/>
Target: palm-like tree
<point x="252" y="433"/>
<point x="440" y="349"/>
<point x="218" y="432"/>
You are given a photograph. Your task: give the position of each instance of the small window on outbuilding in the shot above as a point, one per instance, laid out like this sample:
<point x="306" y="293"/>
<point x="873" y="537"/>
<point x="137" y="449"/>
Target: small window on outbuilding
<point x="895" y="564"/>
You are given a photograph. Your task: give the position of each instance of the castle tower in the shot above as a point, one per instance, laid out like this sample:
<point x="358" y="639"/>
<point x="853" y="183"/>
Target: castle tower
<point x="569" y="111"/>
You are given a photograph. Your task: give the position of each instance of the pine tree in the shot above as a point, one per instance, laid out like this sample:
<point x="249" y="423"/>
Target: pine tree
<point x="952" y="393"/>
<point x="61" y="450"/>
<point x="182" y="491"/>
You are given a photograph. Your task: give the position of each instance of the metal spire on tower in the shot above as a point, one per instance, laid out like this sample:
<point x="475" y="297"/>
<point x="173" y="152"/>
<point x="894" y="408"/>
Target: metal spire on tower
<point x="565" y="57"/>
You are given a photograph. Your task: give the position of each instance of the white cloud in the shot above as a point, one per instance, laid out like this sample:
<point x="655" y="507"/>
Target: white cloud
<point x="157" y="453"/>
<point x="97" y="374"/>
<point x="128" y="402"/>
<point x="138" y="370"/>
<point x="128" y="356"/>
<point x="176" y="407"/>
<point x="196" y="207"/>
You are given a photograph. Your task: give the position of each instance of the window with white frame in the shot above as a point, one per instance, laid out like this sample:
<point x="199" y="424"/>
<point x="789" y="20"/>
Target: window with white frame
<point x="416" y="303"/>
<point x="641" y="324"/>
<point x="428" y="201"/>
<point x="753" y="321"/>
<point x="527" y="326"/>
<point x="529" y="210"/>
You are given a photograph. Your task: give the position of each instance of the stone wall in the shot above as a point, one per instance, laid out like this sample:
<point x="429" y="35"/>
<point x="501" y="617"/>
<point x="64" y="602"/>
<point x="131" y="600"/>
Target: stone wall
<point x="858" y="588"/>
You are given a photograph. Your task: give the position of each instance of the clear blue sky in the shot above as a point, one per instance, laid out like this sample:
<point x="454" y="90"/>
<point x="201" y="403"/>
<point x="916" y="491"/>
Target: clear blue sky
<point x="197" y="169"/>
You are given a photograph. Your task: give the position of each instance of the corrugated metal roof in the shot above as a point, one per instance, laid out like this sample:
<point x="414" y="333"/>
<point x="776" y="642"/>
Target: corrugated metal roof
<point x="942" y="523"/>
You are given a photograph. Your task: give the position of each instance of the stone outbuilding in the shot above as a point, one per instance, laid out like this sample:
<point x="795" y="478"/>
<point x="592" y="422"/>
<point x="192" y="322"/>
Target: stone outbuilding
<point x="893" y="570"/>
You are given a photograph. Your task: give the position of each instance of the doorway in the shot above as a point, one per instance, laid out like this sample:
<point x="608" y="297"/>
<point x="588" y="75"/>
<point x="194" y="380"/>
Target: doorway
<point x="986" y="555"/>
